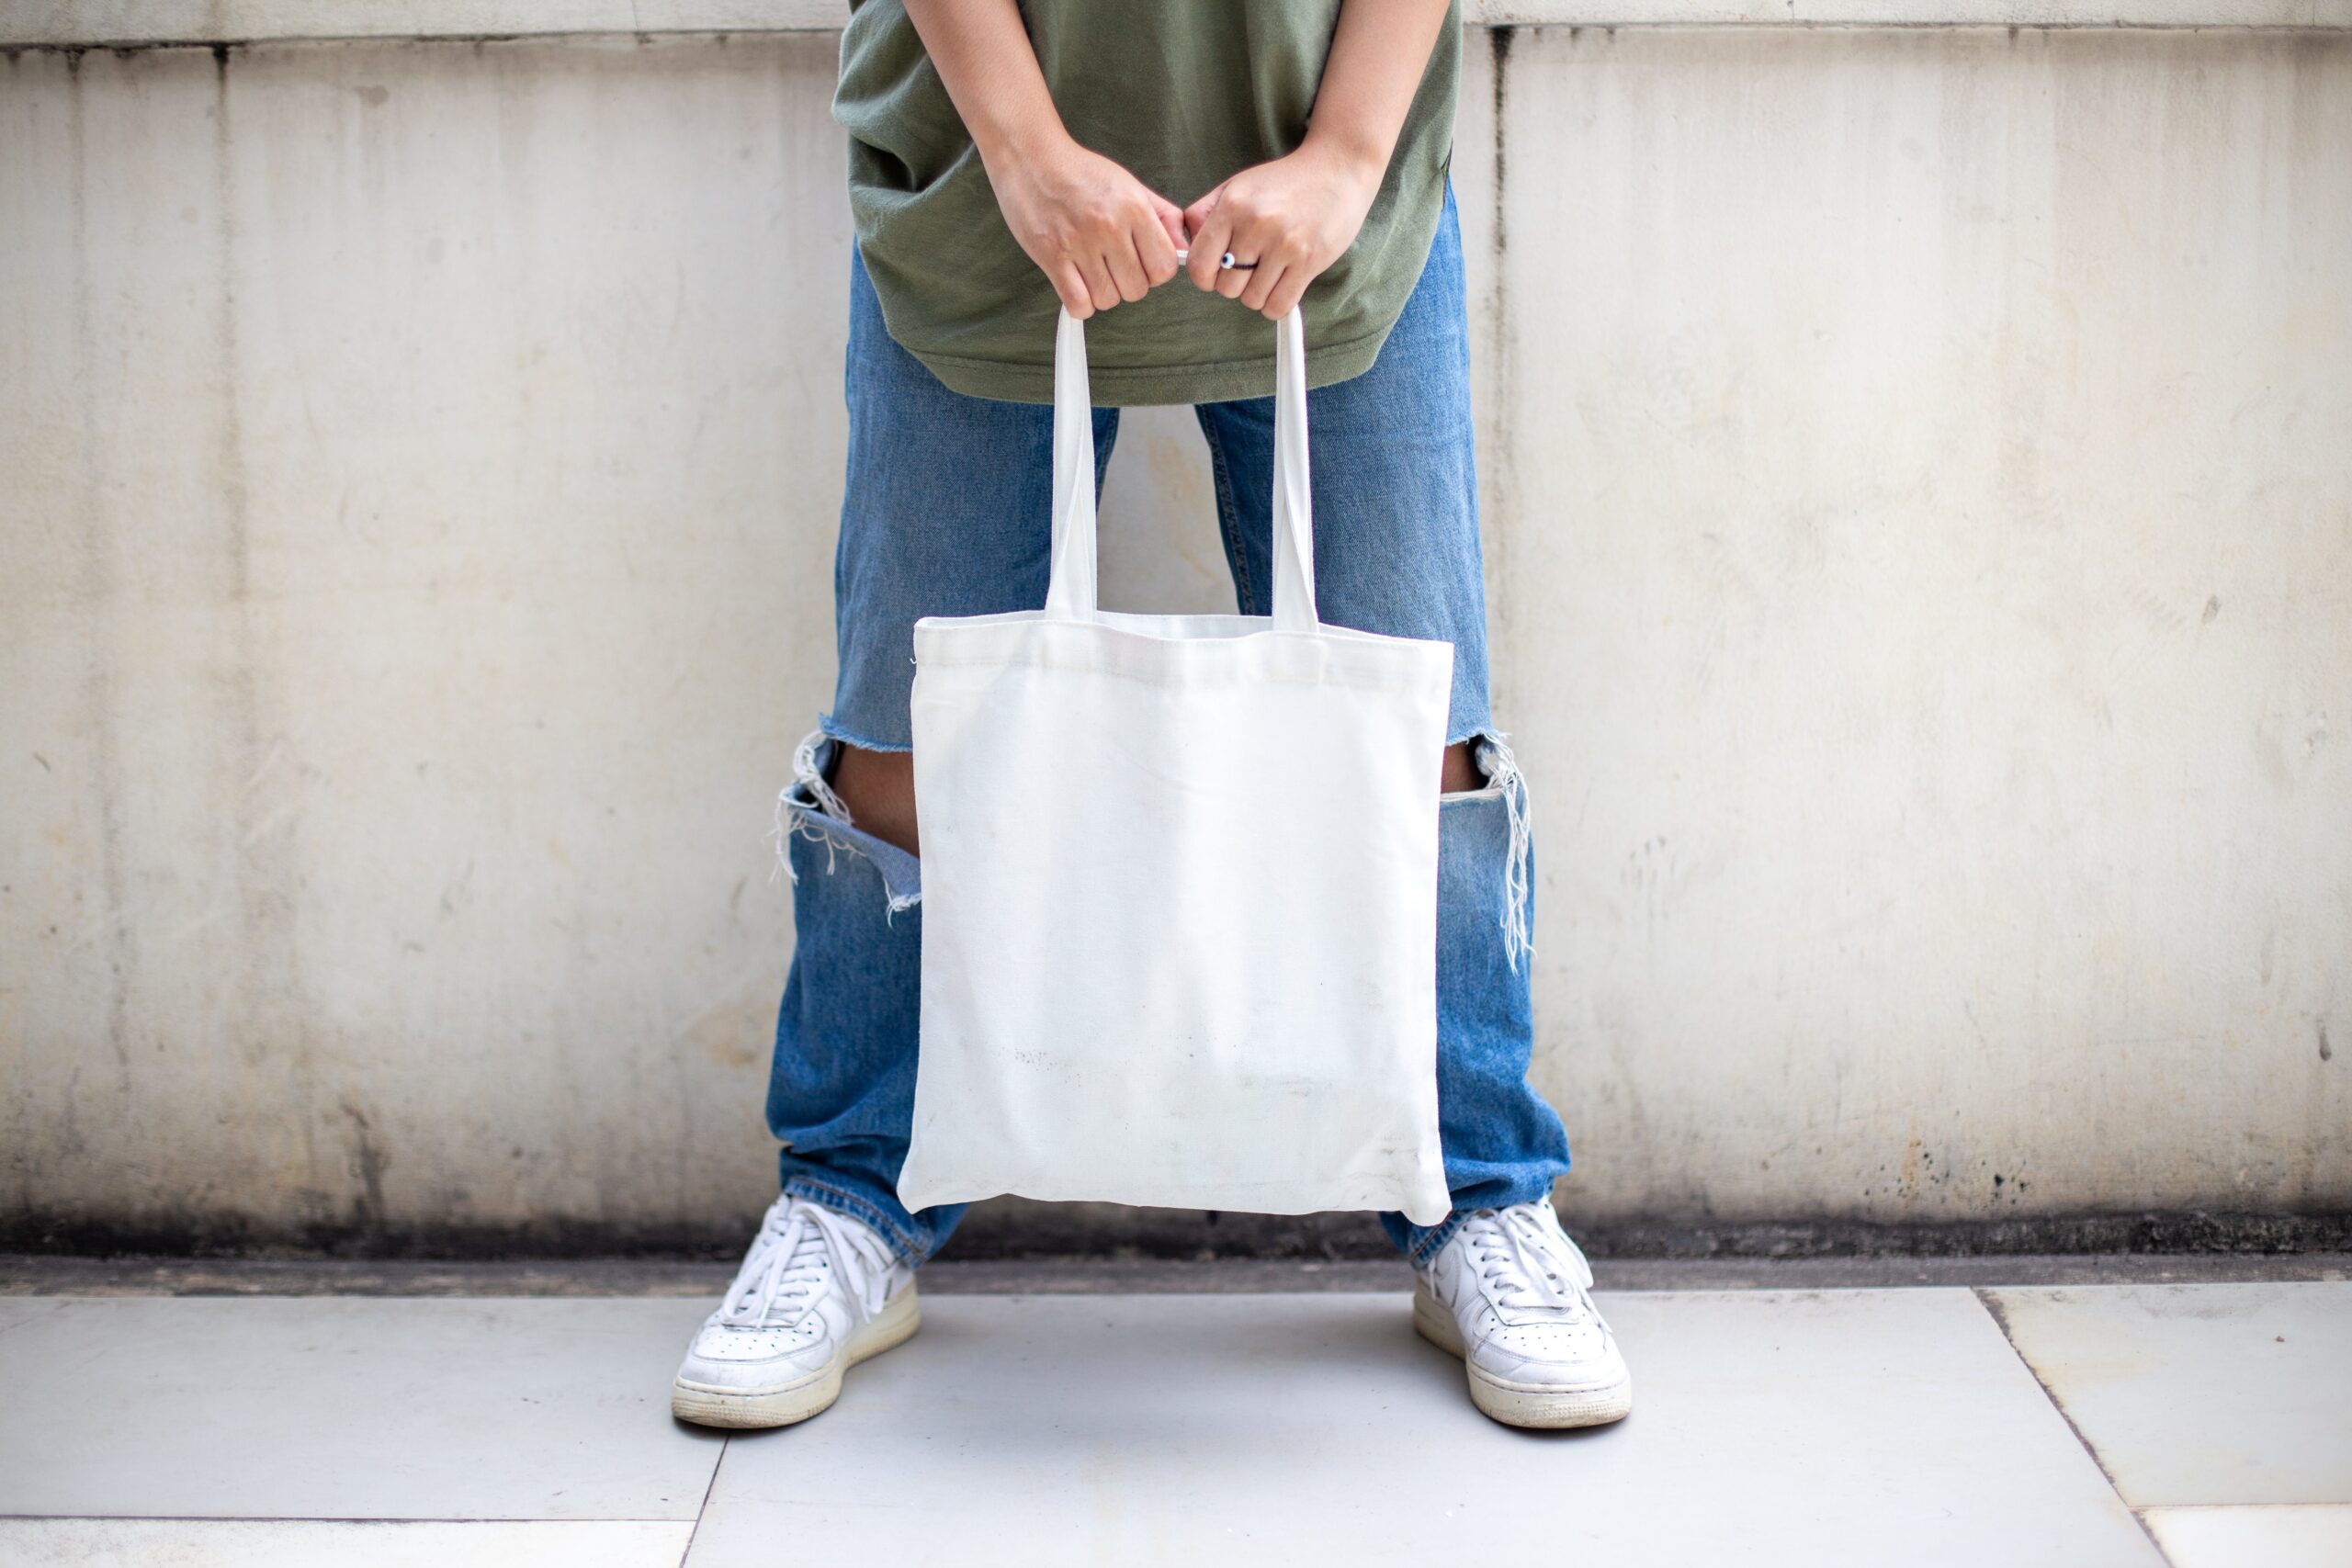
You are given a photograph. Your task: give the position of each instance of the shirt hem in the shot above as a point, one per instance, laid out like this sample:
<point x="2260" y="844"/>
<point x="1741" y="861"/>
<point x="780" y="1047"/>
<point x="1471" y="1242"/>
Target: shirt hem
<point x="1222" y="382"/>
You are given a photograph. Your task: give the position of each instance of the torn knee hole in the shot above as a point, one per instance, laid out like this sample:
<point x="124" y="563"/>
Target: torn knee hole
<point x="1493" y="756"/>
<point x="808" y="808"/>
<point x="812" y="763"/>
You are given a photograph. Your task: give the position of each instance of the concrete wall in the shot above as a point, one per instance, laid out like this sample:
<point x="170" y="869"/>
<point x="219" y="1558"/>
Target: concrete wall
<point x="1918" y="472"/>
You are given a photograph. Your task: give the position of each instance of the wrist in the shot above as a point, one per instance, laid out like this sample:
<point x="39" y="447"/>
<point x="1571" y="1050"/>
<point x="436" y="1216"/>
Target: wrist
<point x="1353" y="155"/>
<point x="1033" y="136"/>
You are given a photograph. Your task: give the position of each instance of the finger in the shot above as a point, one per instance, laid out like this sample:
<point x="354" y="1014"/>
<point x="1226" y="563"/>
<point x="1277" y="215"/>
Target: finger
<point x="1098" y="285"/>
<point x="1263" y="284"/>
<point x="1196" y="217"/>
<point x="1153" y="265"/>
<point x="1070" y="283"/>
<point x="1125" y="264"/>
<point x="1289" y="289"/>
<point x="1273" y="253"/>
<point x="1231" y="281"/>
<point x="1237" y="241"/>
<point x="1159" y="244"/>
<point x="1212" y="233"/>
<point x="1202" y="205"/>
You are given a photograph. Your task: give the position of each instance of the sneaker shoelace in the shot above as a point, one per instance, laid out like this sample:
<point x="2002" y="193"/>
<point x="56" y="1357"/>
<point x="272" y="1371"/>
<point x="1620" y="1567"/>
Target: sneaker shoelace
<point x="1525" y="1264"/>
<point x="800" y="1244"/>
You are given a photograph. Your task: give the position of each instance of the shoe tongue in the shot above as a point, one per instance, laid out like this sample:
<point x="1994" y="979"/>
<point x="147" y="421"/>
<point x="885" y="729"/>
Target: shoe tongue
<point x="800" y="1267"/>
<point x="794" y="1275"/>
<point x="1538" y="1281"/>
<point x="1538" y="1301"/>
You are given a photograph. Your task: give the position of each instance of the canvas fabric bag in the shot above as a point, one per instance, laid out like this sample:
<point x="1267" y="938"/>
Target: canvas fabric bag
<point x="1179" y="884"/>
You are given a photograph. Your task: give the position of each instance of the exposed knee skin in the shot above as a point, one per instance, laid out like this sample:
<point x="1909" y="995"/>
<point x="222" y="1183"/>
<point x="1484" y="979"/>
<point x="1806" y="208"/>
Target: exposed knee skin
<point x="1460" y="771"/>
<point x="878" y="788"/>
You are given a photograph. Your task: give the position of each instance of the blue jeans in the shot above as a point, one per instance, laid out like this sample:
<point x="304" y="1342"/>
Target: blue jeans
<point x="946" y="514"/>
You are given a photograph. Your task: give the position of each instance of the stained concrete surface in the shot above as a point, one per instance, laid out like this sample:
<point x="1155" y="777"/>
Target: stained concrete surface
<point x="106" y="22"/>
<point x="1915" y="499"/>
<point x="22" y="1275"/>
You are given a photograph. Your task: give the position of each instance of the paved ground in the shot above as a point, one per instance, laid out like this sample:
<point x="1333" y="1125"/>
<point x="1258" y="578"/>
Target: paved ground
<point x="1040" y="1418"/>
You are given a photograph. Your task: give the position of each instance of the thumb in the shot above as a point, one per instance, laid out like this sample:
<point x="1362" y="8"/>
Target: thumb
<point x="1171" y="218"/>
<point x="1209" y="234"/>
<point x="1198" y="213"/>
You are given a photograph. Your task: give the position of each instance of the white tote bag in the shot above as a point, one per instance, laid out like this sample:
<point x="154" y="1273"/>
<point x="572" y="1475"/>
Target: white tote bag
<point x="1179" y="884"/>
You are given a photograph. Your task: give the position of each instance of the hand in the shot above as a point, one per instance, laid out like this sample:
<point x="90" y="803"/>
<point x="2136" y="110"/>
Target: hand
<point x="1292" y="219"/>
<point x="1100" y="234"/>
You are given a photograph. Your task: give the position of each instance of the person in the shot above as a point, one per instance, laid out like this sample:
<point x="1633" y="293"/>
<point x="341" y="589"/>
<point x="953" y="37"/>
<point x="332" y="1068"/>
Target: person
<point x="1008" y="159"/>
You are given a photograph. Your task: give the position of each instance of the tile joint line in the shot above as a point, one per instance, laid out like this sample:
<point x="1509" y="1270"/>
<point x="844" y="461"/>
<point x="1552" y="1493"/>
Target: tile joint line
<point x="2000" y="1316"/>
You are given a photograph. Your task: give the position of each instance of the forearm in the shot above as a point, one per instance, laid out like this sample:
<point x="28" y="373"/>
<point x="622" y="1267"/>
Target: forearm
<point x="1095" y="231"/>
<point x="1379" y="52"/>
<point x="1286" y="222"/>
<point x="981" y="51"/>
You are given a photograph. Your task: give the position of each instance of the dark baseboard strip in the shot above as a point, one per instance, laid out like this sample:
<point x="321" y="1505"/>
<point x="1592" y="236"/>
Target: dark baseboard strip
<point x="1015" y="1230"/>
<point x="54" y="1276"/>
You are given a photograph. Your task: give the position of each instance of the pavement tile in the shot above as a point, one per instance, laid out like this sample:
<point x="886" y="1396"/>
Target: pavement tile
<point x="345" y="1543"/>
<point x="352" y="1408"/>
<point x="1822" y="1428"/>
<point x="16" y="1311"/>
<point x="2261" y="1535"/>
<point x="2199" y="1394"/>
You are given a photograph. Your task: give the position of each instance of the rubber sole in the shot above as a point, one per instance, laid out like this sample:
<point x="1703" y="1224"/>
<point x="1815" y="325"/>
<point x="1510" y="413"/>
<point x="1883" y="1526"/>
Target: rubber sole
<point x="1523" y="1404"/>
<point x="705" y="1405"/>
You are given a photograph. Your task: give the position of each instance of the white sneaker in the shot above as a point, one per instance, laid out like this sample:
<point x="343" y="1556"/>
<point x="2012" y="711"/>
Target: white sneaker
<point x="818" y="1293"/>
<point x="1508" y="1293"/>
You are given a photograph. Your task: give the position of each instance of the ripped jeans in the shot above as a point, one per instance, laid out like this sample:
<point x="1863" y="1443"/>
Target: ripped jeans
<point x="945" y="513"/>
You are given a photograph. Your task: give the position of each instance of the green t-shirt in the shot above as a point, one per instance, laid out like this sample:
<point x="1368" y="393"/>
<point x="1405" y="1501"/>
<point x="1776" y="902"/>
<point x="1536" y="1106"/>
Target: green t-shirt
<point x="1183" y="93"/>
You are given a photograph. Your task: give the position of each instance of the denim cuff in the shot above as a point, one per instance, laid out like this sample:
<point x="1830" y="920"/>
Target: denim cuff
<point x="913" y="1250"/>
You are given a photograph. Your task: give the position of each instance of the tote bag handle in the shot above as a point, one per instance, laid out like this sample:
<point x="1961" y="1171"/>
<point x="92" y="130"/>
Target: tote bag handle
<point x="1070" y="594"/>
